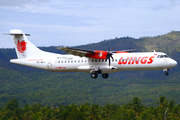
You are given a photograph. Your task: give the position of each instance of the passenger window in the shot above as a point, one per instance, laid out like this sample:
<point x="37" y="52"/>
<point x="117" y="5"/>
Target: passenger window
<point x="161" y="56"/>
<point x="92" y="60"/>
<point x="74" y="61"/>
<point x="82" y="61"/>
<point x="95" y="60"/>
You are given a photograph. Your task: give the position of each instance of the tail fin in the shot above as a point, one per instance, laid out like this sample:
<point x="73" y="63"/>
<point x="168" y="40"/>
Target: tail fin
<point x="24" y="48"/>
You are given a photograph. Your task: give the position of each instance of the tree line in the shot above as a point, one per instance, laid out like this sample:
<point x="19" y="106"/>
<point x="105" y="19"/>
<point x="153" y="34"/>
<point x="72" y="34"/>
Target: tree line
<point x="134" y="110"/>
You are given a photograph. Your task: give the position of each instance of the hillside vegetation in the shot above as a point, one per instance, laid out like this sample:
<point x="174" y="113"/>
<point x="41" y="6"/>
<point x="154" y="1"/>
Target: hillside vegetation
<point x="30" y="85"/>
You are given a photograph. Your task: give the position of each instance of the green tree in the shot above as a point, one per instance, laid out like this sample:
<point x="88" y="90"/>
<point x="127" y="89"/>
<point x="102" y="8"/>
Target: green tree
<point x="136" y="105"/>
<point x="65" y="113"/>
<point x="18" y="114"/>
<point x="175" y="114"/>
<point x="45" y="113"/>
<point x="163" y="104"/>
<point x="27" y="112"/>
<point x="110" y="109"/>
<point x="76" y="115"/>
<point x="144" y="115"/>
<point x="94" y="112"/>
<point x="124" y="114"/>
<point x="36" y="107"/>
<point x="11" y="105"/>
<point x="155" y="113"/>
<point x="171" y="106"/>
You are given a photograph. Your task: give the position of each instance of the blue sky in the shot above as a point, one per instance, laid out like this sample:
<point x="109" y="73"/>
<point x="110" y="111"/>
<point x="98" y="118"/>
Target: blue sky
<point x="78" y="22"/>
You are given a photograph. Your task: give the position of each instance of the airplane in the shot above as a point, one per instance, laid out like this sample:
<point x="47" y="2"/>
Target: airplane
<point x="89" y="61"/>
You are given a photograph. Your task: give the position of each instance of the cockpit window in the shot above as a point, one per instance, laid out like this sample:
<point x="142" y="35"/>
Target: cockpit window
<point x="166" y="56"/>
<point x="162" y="56"/>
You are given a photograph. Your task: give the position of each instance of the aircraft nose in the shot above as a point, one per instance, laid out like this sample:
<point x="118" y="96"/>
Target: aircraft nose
<point x="173" y="63"/>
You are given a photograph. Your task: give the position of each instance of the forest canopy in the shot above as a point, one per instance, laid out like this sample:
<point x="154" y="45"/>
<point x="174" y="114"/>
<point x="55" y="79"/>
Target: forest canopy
<point x="134" y="110"/>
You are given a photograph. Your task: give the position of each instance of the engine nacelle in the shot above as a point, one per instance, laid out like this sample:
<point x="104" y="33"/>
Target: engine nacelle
<point x="98" y="54"/>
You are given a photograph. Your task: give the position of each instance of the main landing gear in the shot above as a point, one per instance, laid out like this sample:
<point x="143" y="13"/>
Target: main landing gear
<point x="95" y="75"/>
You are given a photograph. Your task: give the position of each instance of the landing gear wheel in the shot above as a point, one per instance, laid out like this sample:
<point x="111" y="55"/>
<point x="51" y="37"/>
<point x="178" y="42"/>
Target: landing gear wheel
<point x="94" y="75"/>
<point x="105" y="75"/>
<point x="166" y="73"/>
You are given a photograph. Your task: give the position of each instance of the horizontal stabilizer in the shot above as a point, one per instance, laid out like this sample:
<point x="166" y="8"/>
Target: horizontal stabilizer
<point x="16" y="32"/>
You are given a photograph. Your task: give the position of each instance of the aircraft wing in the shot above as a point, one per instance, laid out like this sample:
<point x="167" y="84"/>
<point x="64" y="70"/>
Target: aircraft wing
<point x="77" y="52"/>
<point x="122" y="51"/>
<point x="96" y="54"/>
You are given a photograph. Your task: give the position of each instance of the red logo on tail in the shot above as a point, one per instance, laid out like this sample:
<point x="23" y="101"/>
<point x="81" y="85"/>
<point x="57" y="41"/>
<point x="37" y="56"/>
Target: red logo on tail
<point x="21" y="46"/>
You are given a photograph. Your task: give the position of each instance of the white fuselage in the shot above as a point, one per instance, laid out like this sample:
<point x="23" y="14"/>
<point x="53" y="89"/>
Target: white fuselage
<point x="105" y="62"/>
<point x="122" y="62"/>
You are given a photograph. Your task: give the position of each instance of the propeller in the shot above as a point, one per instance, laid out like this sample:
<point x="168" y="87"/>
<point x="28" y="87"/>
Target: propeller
<point x="109" y="55"/>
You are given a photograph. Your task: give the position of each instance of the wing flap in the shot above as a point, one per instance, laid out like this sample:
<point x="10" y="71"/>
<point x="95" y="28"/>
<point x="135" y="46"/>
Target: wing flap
<point x="74" y="51"/>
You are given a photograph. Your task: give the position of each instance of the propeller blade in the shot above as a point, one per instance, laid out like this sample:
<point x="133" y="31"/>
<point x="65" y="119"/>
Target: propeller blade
<point x="112" y="58"/>
<point x="109" y="56"/>
<point x="109" y="62"/>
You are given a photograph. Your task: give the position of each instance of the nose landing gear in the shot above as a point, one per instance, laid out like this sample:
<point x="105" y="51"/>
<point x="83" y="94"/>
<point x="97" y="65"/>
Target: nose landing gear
<point x="105" y="75"/>
<point x="166" y="72"/>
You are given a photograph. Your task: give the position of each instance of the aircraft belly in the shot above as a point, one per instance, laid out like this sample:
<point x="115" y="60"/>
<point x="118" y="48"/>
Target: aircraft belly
<point x="102" y="68"/>
<point x="84" y="68"/>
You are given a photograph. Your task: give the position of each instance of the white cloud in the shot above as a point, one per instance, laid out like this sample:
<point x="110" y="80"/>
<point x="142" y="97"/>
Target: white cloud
<point x="20" y="3"/>
<point x="90" y="20"/>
